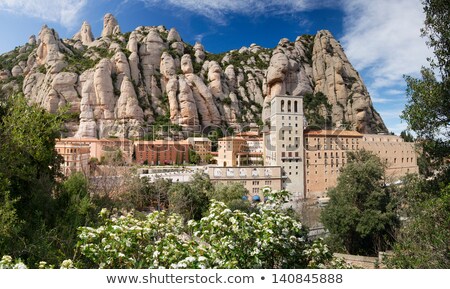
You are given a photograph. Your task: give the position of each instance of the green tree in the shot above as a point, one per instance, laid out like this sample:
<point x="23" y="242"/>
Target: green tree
<point x="360" y="215"/>
<point x="143" y="195"/>
<point x="422" y="241"/>
<point x="74" y="208"/>
<point x="407" y="136"/>
<point x="209" y="158"/>
<point x="194" y="158"/>
<point x="428" y="109"/>
<point x="29" y="168"/>
<point x="190" y="200"/>
<point x="231" y="195"/>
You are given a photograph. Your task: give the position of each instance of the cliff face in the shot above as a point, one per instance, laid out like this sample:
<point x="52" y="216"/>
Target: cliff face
<point x="120" y="83"/>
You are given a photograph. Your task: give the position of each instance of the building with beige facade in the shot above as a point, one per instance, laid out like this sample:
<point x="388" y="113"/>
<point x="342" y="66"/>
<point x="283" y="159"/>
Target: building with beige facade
<point x="252" y="153"/>
<point x="201" y="146"/>
<point x="76" y="157"/>
<point x="229" y="152"/>
<point x="105" y="148"/>
<point x="326" y="154"/>
<point x="399" y="156"/>
<point x="283" y="142"/>
<point x="254" y="178"/>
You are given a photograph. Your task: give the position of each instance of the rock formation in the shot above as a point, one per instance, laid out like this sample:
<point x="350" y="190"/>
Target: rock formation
<point x="110" y="26"/>
<point x="85" y="34"/>
<point x="122" y="83"/>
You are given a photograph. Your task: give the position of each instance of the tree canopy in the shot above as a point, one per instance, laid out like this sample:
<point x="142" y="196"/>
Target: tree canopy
<point x="360" y="215"/>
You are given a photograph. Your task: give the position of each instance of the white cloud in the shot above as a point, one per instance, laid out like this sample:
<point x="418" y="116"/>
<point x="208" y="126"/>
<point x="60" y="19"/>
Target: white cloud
<point x="381" y="100"/>
<point x="217" y="10"/>
<point x="382" y="39"/>
<point x="65" y="12"/>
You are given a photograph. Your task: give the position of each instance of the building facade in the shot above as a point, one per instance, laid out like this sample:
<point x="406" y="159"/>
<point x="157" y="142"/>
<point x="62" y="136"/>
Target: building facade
<point x="201" y="146"/>
<point x="105" y="148"/>
<point x="76" y="157"/>
<point x="252" y="153"/>
<point x="162" y="152"/>
<point x="283" y="142"/>
<point x="254" y="178"/>
<point x="229" y="151"/>
<point x="399" y="156"/>
<point x="325" y="154"/>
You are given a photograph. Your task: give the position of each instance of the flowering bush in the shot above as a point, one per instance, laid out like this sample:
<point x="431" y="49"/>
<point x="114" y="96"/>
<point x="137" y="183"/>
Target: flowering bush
<point x="268" y="238"/>
<point x="7" y="262"/>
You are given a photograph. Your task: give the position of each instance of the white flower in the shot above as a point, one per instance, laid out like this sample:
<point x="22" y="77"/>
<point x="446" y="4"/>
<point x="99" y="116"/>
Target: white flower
<point x="67" y="264"/>
<point x="20" y="265"/>
<point x="190" y="259"/>
<point x="42" y="264"/>
<point x="6" y="259"/>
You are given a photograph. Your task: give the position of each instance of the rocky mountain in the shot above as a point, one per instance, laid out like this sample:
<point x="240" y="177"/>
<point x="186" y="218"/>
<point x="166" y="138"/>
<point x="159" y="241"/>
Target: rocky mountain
<point x="121" y="83"/>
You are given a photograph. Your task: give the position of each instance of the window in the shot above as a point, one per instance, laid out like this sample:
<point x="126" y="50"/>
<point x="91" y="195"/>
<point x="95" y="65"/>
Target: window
<point x="282" y="106"/>
<point x="289" y="106"/>
<point x="295" y="106"/>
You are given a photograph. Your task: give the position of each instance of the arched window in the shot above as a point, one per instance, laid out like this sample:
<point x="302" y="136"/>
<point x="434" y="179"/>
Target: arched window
<point x="295" y="106"/>
<point x="289" y="106"/>
<point x="282" y="106"/>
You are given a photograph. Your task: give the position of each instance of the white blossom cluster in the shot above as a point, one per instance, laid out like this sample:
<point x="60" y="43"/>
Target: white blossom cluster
<point x="267" y="238"/>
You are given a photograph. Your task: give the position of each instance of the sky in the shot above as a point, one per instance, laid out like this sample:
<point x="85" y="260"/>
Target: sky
<point x="380" y="38"/>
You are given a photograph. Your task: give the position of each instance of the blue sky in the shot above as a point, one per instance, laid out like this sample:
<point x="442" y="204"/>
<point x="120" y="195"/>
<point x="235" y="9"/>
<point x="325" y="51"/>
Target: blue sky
<point x="381" y="38"/>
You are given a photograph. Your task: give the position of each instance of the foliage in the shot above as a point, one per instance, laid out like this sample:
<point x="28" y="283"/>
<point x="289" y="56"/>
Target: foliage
<point x="190" y="200"/>
<point x="406" y="136"/>
<point x="7" y="262"/>
<point x="227" y="101"/>
<point x="39" y="216"/>
<point x="10" y="224"/>
<point x="360" y="215"/>
<point x="74" y="208"/>
<point x="194" y="158"/>
<point x="12" y="58"/>
<point x="77" y="62"/>
<point x="209" y="158"/>
<point x="143" y="195"/>
<point x="231" y="195"/>
<point x="214" y="136"/>
<point x="422" y="241"/>
<point x="29" y="166"/>
<point x="437" y="29"/>
<point x="317" y="110"/>
<point x="428" y="109"/>
<point x="267" y="238"/>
